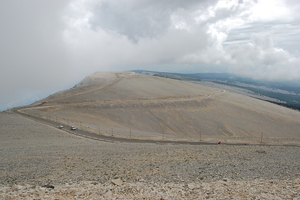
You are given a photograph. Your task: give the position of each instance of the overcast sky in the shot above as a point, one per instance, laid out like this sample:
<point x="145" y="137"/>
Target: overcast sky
<point x="50" y="45"/>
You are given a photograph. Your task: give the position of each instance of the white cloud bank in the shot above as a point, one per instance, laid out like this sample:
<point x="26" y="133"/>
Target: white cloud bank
<point x="50" y="45"/>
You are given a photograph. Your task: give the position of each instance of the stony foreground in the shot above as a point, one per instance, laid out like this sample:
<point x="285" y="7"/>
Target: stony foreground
<point x="225" y="189"/>
<point x="42" y="162"/>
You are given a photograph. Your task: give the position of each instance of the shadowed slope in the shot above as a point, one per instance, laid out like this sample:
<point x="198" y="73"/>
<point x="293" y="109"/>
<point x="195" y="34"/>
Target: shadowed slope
<point x="151" y="104"/>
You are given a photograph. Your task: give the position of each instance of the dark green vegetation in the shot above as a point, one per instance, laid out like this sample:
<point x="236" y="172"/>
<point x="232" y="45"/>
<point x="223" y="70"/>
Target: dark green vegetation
<point x="287" y="92"/>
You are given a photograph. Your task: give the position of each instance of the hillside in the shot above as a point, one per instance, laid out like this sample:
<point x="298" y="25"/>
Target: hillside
<point x="42" y="162"/>
<point x="154" y="106"/>
<point x="284" y="93"/>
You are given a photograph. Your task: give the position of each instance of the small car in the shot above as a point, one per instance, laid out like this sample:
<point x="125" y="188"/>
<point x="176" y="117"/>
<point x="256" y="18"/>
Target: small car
<point x="61" y="126"/>
<point x="73" y="128"/>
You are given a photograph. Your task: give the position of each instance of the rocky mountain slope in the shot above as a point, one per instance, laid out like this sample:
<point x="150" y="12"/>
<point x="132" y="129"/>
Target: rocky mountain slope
<point x="155" y="106"/>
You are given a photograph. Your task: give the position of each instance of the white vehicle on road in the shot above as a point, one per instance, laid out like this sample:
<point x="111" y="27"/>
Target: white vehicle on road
<point x="73" y="128"/>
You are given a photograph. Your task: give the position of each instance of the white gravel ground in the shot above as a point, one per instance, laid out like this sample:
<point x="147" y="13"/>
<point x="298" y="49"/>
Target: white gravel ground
<point x="35" y="155"/>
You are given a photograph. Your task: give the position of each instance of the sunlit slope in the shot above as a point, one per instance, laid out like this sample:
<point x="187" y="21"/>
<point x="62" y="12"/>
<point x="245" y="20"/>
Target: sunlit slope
<point x="153" y="104"/>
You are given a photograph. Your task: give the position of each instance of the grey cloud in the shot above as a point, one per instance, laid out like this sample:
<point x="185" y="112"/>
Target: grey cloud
<point x="137" y="19"/>
<point x="32" y="56"/>
<point x="261" y="59"/>
<point x="263" y="42"/>
<point x="285" y="35"/>
<point x="258" y="52"/>
<point x="224" y="13"/>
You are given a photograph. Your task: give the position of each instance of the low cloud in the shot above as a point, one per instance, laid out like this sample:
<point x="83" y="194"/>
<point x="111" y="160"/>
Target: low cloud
<point x="141" y="19"/>
<point x="261" y="59"/>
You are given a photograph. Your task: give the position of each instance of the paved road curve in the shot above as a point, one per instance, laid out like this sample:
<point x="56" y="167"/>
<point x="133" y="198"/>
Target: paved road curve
<point x="99" y="137"/>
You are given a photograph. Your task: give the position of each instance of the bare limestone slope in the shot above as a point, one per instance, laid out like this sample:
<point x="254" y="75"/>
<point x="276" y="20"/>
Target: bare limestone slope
<point x="157" y="107"/>
<point x="42" y="162"/>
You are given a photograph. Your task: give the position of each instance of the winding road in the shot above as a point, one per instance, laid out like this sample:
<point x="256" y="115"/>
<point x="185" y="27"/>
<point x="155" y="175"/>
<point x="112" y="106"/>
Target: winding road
<point x="104" y="138"/>
<point x="94" y="136"/>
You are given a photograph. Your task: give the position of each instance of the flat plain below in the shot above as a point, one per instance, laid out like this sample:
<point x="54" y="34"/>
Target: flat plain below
<point x="43" y="162"/>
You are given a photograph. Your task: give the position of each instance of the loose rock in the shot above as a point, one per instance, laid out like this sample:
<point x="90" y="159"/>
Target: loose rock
<point x="117" y="181"/>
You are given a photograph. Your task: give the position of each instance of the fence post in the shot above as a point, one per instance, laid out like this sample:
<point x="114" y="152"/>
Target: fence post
<point x="200" y="136"/>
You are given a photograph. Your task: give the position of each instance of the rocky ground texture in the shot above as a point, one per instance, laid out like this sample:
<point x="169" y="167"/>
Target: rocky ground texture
<point x="42" y="162"/>
<point x="224" y="189"/>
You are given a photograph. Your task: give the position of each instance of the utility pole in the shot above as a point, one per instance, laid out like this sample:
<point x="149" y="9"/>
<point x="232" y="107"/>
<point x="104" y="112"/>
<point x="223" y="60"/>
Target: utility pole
<point x="261" y="137"/>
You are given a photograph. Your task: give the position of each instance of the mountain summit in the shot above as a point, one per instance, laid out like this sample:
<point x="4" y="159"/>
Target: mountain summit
<point x="149" y="105"/>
